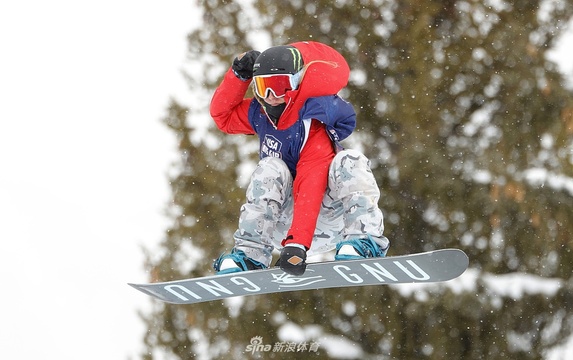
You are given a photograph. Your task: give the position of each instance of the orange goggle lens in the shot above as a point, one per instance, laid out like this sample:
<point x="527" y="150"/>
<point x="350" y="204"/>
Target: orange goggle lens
<point x="277" y="84"/>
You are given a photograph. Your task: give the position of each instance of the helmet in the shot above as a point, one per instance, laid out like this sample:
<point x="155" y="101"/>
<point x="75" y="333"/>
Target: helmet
<point x="283" y="59"/>
<point x="278" y="60"/>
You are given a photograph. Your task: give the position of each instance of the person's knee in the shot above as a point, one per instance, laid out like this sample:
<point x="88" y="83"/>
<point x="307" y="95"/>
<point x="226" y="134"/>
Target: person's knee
<point x="349" y="160"/>
<point x="270" y="183"/>
<point x="272" y="167"/>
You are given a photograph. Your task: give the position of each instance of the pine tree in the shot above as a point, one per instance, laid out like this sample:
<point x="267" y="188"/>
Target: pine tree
<point x="469" y="131"/>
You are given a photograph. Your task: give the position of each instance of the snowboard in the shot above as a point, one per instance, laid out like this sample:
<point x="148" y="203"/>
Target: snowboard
<point x="426" y="267"/>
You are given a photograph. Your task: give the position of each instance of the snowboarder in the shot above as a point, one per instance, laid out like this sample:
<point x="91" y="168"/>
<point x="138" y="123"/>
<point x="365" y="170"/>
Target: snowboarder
<point x="307" y="194"/>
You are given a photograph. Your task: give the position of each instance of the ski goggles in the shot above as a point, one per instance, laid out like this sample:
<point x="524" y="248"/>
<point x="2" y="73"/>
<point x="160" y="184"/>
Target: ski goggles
<point x="277" y="84"/>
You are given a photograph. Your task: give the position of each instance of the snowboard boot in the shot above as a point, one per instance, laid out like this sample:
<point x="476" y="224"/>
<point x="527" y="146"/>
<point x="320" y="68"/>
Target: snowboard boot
<point x="236" y="261"/>
<point x="353" y="249"/>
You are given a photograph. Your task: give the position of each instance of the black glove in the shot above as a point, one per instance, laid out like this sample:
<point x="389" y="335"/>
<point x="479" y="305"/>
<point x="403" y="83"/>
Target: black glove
<point x="293" y="260"/>
<point x="243" y="64"/>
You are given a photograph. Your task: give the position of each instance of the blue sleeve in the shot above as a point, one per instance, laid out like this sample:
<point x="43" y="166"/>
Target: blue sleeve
<point x="337" y="114"/>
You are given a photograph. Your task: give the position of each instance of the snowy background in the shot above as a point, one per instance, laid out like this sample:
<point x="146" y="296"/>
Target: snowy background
<point x="83" y="161"/>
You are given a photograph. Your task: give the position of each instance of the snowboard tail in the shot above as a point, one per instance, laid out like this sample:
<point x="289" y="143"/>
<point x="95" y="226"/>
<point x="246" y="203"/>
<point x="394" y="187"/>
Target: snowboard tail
<point x="427" y="267"/>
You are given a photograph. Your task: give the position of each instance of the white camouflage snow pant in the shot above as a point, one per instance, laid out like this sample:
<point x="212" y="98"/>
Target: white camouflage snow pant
<point x="349" y="207"/>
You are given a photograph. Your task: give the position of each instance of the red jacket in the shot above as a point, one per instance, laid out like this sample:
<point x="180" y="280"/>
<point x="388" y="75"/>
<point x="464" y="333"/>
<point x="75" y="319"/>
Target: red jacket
<point x="326" y="73"/>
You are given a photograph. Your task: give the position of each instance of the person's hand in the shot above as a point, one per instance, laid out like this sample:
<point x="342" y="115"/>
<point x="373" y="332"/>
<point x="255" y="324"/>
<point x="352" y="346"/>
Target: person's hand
<point x="243" y="64"/>
<point x="293" y="259"/>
